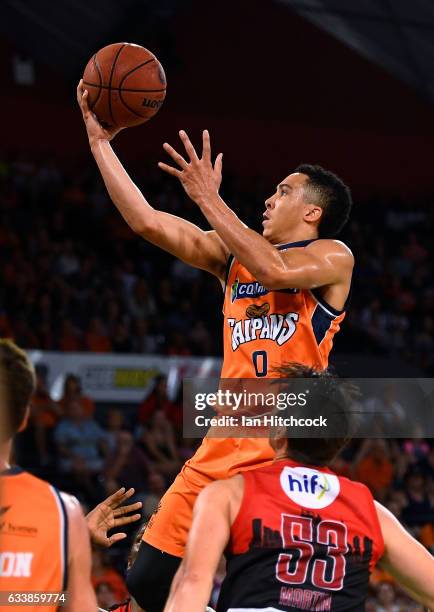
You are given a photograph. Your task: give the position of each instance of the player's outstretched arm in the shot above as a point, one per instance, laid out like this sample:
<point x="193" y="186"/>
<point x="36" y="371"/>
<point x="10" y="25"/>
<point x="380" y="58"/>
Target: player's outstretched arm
<point x="81" y="595"/>
<point x="406" y="559"/>
<point x="204" y="250"/>
<point x="208" y="537"/>
<point x="325" y="262"/>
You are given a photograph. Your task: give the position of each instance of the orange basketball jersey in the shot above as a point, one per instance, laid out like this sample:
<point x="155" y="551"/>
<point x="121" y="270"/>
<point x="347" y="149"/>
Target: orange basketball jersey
<point x="33" y="535"/>
<point x="264" y="329"/>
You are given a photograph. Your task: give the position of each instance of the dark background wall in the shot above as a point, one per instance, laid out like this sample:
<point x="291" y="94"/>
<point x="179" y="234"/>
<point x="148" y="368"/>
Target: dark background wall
<point x="244" y="70"/>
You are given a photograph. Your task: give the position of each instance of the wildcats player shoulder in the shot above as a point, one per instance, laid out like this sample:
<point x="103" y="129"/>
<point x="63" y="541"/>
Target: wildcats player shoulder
<point x="265" y="328"/>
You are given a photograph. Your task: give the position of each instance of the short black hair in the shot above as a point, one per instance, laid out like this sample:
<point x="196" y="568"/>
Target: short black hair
<point x="328" y="191"/>
<point x="329" y="396"/>
<point x="17" y="385"/>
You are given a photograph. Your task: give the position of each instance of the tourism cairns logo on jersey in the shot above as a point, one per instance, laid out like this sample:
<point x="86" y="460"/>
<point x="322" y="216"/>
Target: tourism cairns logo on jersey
<point x="309" y="488"/>
<point x="246" y="290"/>
<point x="251" y="290"/>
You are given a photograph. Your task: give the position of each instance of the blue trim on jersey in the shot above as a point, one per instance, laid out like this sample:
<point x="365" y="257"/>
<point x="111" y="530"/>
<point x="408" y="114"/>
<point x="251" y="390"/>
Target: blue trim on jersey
<point x="322" y="301"/>
<point x="300" y="243"/>
<point x="321" y="322"/>
<point x="64" y="539"/>
<point x="228" y="269"/>
<point x="12" y="471"/>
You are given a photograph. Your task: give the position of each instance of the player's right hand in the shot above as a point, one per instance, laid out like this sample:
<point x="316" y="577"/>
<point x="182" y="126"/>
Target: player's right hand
<point x="95" y="131"/>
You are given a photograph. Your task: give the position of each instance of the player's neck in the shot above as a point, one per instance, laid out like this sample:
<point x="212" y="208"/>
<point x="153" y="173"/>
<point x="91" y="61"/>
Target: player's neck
<point x="5" y="455"/>
<point x="297" y="235"/>
<point x="282" y="456"/>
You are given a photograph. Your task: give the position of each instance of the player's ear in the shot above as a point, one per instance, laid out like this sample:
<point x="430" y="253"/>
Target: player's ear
<point x="25" y="420"/>
<point x="312" y="213"/>
<point x="278" y="439"/>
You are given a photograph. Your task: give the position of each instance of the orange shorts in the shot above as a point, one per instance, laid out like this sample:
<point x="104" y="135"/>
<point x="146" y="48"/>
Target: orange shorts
<point x="215" y="459"/>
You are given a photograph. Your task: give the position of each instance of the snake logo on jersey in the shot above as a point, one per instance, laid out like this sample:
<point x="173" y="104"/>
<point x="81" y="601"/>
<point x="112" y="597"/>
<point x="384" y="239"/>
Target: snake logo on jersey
<point x="264" y="328"/>
<point x="258" y="325"/>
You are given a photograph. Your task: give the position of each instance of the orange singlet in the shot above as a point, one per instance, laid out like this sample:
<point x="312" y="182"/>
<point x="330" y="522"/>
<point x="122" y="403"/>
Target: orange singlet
<point x="262" y="330"/>
<point x="33" y="536"/>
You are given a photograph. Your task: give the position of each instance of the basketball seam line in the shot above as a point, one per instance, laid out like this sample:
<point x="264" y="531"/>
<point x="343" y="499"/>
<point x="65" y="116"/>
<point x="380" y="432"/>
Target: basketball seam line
<point x="128" y="107"/>
<point x="97" y="68"/>
<point x="110" y="81"/>
<point x="123" y="79"/>
<point x="123" y="88"/>
<point x="134" y="69"/>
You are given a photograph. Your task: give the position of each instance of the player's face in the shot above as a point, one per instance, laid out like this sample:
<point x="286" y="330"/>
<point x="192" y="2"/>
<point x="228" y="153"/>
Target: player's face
<point x="285" y="208"/>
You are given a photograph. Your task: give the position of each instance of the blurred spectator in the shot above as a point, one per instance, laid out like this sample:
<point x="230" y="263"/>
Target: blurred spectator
<point x="419" y="509"/>
<point x="387" y="411"/>
<point x="141" y="303"/>
<point x="374" y="468"/>
<point x="103" y="573"/>
<point x="157" y="488"/>
<point x="70" y="339"/>
<point x="417" y="449"/>
<point x="115" y="428"/>
<point x="44" y="415"/>
<point x="96" y="337"/>
<point x="427" y="464"/>
<point x="127" y="466"/>
<point x="158" y="400"/>
<point x="177" y="344"/>
<point x="81" y="445"/>
<point x="121" y="340"/>
<point x="72" y="390"/>
<point x="387" y="600"/>
<point x="158" y="441"/>
<point x="142" y="341"/>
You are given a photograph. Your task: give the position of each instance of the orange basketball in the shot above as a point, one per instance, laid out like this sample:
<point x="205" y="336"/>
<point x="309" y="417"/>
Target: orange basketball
<point x="126" y="85"/>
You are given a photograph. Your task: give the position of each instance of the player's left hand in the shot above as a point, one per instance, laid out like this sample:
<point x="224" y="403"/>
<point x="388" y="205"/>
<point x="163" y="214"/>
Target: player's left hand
<point x="199" y="177"/>
<point x="111" y="514"/>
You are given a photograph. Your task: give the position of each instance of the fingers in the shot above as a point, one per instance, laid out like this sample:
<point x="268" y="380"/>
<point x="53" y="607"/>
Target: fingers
<point x="125" y="509"/>
<point x="85" y="102"/>
<point x="79" y="91"/>
<point x="119" y="497"/>
<point x="206" y="146"/>
<point x="219" y="164"/>
<point x="126" y="520"/>
<point x="188" y="146"/>
<point x="170" y="170"/>
<point x="116" y="537"/>
<point x="82" y="98"/>
<point x="114" y="500"/>
<point x="175" y="156"/>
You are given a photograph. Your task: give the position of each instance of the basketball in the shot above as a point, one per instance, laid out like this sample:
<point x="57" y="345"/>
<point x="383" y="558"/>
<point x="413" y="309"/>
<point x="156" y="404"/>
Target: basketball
<point x="126" y="85"/>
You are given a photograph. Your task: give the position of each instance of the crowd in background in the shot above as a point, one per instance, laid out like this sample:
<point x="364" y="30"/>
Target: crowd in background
<point x="75" y="278"/>
<point x="91" y="451"/>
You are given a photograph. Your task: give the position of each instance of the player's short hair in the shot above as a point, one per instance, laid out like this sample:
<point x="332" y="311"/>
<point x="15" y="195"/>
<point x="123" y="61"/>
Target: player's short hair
<point x="330" y="193"/>
<point x="330" y="397"/>
<point x="17" y="385"/>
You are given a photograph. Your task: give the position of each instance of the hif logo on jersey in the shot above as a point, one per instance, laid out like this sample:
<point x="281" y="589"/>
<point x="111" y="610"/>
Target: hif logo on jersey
<point x="308" y="487"/>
